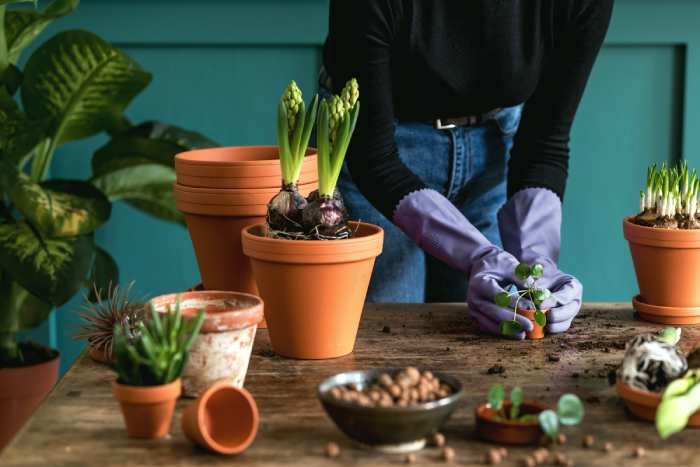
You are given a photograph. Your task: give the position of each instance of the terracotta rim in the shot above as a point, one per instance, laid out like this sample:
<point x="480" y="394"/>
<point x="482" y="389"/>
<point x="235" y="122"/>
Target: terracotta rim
<point x="366" y="243"/>
<point x="241" y="182"/>
<point x="231" y="196"/>
<point x="250" y="210"/>
<point x="482" y="413"/>
<point x="224" y="310"/>
<point x="637" y="396"/>
<point x="14" y="379"/>
<point x="146" y="394"/>
<point x="201" y="416"/>
<point x="662" y="238"/>
<point x="260" y="155"/>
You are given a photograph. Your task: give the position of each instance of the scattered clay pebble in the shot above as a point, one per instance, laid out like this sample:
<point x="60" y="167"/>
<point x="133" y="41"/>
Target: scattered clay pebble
<point x="410" y="459"/>
<point x="503" y="452"/>
<point x="493" y="457"/>
<point x="561" y="438"/>
<point x="540" y="455"/>
<point x="560" y="459"/>
<point x="588" y="441"/>
<point x="332" y="449"/>
<point x="448" y="454"/>
<point x="608" y="447"/>
<point x="639" y="452"/>
<point x="529" y="462"/>
<point x="438" y="440"/>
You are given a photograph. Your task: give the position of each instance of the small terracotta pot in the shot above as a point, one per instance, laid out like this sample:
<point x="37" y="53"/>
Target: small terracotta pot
<point x="223" y="419"/>
<point x="537" y="330"/>
<point x="100" y="355"/>
<point x="238" y="167"/>
<point x="215" y="231"/>
<point x="643" y="404"/>
<point x="21" y="391"/>
<point x="222" y="349"/>
<point x="667" y="265"/>
<point x="314" y="290"/>
<point x="147" y="410"/>
<point x="508" y="431"/>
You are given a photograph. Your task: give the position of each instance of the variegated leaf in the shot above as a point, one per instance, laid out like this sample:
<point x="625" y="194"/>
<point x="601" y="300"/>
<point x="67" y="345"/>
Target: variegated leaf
<point x="52" y="269"/>
<point x="82" y="82"/>
<point x="18" y="134"/>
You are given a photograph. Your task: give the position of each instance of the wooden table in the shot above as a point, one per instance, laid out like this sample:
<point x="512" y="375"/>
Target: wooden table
<point x="80" y="423"/>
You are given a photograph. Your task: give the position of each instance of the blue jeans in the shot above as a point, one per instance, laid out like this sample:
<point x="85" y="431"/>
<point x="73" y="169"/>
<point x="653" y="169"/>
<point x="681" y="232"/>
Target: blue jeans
<point x="468" y="166"/>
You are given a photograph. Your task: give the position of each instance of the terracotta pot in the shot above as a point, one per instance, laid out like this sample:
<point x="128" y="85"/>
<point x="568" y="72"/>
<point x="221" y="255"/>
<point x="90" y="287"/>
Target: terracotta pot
<point x="215" y="231"/>
<point x="223" y="419"/>
<point x="643" y="404"/>
<point x="22" y="390"/>
<point x="667" y="264"/>
<point x="200" y="286"/>
<point x="238" y="167"/>
<point x="222" y="349"/>
<point x="147" y="410"/>
<point x="508" y="431"/>
<point x="232" y="197"/>
<point x="314" y="290"/>
<point x="100" y="355"/>
<point x="537" y="330"/>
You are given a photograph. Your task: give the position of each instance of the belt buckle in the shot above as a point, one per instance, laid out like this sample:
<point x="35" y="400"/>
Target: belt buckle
<point x="439" y="125"/>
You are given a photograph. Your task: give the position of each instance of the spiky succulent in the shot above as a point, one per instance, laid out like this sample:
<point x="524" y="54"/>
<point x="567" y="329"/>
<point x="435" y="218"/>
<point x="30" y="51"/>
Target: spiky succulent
<point x="109" y="308"/>
<point x="670" y="197"/>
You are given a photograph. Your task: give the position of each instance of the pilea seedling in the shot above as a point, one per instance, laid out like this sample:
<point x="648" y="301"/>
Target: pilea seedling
<point x="569" y="410"/>
<point x="528" y="274"/>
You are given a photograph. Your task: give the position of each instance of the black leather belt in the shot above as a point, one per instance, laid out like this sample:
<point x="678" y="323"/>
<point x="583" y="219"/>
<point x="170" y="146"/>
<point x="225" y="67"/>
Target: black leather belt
<point x="467" y="120"/>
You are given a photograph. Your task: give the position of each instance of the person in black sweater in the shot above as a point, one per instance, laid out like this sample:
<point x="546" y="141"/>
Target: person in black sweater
<point x="457" y="97"/>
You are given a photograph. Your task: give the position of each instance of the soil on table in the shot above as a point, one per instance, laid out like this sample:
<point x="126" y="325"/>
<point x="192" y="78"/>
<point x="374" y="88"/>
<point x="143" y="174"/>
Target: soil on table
<point x="32" y="354"/>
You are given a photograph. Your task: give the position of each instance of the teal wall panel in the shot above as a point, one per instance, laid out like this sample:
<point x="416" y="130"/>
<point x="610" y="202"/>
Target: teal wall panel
<point x="218" y="65"/>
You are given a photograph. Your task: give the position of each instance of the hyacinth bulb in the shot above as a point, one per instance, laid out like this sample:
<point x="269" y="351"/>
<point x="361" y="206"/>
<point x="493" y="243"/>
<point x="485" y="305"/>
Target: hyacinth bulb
<point x="284" y="212"/>
<point x="651" y="363"/>
<point x="324" y="219"/>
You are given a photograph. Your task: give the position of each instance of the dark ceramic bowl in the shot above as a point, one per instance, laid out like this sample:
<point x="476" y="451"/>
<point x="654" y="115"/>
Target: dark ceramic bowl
<point x="389" y="429"/>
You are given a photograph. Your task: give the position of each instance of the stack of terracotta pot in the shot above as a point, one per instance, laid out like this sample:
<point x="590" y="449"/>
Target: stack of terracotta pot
<point x="221" y="191"/>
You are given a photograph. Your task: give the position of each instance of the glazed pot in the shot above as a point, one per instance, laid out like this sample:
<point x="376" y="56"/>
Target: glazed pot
<point x="516" y="432"/>
<point x="238" y="167"/>
<point x="537" y="330"/>
<point x="147" y="410"/>
<point x="314" y="290"/>
<point x="22" y="390"/>
<point x="643" y="404"/>
<point x="223" y="419"/>
<point x="215" y="231"/>
<point x="667" y="265"/>
<point x="222" y="349"/>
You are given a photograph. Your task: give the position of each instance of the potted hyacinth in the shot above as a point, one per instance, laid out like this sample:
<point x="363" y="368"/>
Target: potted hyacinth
<point x="664" y="239"/>
<point x="301" y="264"/>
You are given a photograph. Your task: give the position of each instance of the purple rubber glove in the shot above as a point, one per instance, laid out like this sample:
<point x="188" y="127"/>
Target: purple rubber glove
<point x="442" y="231"/>
<point x="530" y="225"/>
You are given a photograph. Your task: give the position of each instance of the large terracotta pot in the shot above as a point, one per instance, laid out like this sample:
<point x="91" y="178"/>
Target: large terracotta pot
<point x="238" y="167"/>
<point x="667" y="264"/>
<point x="223" y="419"/>
<point x="222" y="349"/>
<point x="314" y="290"/>
<point x="215" y="231"/>
<point x="147" y="410"/>
<point x="22" y="390"/>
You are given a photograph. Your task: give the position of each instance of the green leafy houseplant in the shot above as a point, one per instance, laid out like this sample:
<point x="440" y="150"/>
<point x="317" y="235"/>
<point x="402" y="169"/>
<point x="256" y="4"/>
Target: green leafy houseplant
<point x="74" y="85"/>
<point x="670" y="198"/>
<point x="156" y="352"/>
<point x="569" y="410"/>
<point x="680" y="400"/>
<point x="528" y="274"/>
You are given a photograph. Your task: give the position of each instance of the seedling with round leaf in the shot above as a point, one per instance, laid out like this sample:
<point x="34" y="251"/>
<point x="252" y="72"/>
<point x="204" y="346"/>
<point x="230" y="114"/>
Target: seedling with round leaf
<point x="569" y="413"/>
<point x="294" y="125"/>
<point x="528" y="275"/>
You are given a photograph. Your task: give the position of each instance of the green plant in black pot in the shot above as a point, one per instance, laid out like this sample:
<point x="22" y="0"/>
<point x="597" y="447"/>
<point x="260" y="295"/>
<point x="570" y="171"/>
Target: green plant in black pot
<point x="75" y="85"/>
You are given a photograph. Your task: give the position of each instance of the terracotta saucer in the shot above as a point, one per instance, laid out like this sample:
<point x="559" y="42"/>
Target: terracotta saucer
<point x="666" y="314"/>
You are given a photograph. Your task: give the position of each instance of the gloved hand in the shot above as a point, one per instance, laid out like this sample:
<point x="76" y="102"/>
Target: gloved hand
<point x="441" y="230"/>
<point x="530" y="227"/>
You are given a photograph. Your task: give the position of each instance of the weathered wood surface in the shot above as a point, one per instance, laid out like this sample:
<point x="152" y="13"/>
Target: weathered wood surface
<point x="80" y="423"/>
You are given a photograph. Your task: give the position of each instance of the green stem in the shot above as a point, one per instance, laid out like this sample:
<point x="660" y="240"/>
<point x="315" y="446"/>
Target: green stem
<point x="42" y="159"/>
<point x="9" y="320"/>
<point x="4" y="56"/>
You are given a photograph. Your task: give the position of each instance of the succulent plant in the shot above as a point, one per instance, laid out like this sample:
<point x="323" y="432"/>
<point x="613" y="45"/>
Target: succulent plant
<point x="156" y="351"/>
<point x="109" y="308"/>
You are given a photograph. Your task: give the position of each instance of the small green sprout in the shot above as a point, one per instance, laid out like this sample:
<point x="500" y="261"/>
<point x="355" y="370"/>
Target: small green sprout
<point x="528" y="274"/>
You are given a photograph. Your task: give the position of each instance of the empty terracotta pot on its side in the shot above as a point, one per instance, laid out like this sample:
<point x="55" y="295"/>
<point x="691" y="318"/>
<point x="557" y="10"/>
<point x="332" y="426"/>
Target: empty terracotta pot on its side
<point x="537" y="330"/>
<point x="147" y="410"/>
<point x="515" y="432"/>
<point x="223" y="419"/>
<point x="222" y="349"/>
<point x="643" y="404"/>
<point x="667" y="265"/>
<point x="314" y="290"/>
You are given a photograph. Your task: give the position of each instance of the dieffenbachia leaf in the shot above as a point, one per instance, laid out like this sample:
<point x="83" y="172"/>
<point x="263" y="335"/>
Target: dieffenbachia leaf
<point x="58" y="208"/>
<point x="52" y="269"/>
<point x="29" y="309"/>
<point x="18" y="134"/>
<point x="22" y="26"/>
<point x="82" y="83"/>
<point x="103" y="275"/>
